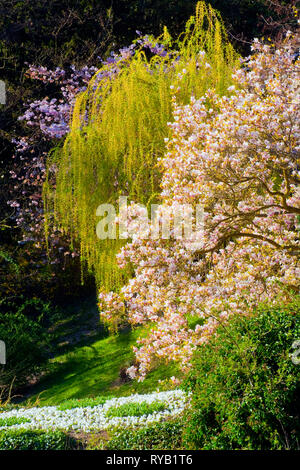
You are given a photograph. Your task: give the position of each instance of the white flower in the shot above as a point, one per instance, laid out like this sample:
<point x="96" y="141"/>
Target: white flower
<point x="94" y="418"/>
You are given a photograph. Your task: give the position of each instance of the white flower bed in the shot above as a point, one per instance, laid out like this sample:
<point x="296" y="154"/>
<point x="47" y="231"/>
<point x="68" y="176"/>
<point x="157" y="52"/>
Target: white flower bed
<point x="94" y="418"/>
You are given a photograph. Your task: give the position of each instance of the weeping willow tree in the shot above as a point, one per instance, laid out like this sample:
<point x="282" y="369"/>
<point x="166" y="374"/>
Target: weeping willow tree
<point x="118" y="130"/>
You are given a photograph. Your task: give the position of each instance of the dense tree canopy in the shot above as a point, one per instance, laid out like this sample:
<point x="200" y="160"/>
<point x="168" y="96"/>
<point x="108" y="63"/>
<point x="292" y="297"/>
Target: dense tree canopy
<point x="78" y="32"/>
<point x="160" y="103"/>
<point x="237" y="157"/>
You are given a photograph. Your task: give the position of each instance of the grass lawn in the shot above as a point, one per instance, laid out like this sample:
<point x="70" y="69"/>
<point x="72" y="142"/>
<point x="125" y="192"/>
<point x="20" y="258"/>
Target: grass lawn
<point x="93" y="370"/>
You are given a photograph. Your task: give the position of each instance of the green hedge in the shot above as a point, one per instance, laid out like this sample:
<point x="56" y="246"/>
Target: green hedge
<point x="156" y="436"/>
<point x="245" y="386"/>
<point x="22" y="439"/>
<point x="26" y="350"/>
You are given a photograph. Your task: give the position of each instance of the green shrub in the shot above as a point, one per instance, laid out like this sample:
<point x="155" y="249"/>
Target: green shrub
<point x="26" y="350"/>
<point x="135" y="409"/>
<point x="245" y="386"/>
<point x="156" y="436"/>
<point x="22" y="439"/>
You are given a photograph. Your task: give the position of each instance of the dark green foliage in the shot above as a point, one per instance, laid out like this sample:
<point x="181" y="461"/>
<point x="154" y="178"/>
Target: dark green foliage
<point x="22" y="439"/>
<point x="245" y="386"/>
<point x="26" y="348"/>
<point x="157" y="436"/>
<point x="52" y="32"/>
<point x="247" y="19"/>
<point x="33" y="308"/>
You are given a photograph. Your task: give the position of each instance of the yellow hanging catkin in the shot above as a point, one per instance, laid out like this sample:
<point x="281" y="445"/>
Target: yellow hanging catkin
<point x="117" y="134"/>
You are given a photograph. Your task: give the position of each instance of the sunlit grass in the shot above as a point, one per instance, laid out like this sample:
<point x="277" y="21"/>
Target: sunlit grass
<point x="135" y="409"/>
<point x="94" y="370"/>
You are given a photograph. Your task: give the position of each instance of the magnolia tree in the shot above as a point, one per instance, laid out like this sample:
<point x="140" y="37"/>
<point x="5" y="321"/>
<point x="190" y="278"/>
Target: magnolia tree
<point x="238" y="157"/>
